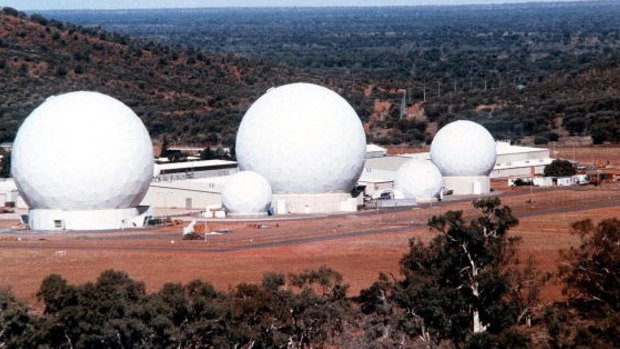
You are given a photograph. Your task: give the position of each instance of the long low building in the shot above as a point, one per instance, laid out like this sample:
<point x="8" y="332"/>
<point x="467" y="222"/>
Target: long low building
<point x="193" y="169"/>
<point x="188" y="194"/>
<point x="196" y="185"/>
<point x="513" y="161"/>
<point x="517" y="161"/>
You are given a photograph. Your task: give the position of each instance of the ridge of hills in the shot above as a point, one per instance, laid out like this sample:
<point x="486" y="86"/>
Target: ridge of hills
<point x="192" y="95"/>
<point x="176" y="91"/>
<point x="535" y="72"/>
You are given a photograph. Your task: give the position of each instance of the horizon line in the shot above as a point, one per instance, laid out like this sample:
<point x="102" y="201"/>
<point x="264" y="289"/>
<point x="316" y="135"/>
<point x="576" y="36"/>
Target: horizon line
<point x="475" y="3"/>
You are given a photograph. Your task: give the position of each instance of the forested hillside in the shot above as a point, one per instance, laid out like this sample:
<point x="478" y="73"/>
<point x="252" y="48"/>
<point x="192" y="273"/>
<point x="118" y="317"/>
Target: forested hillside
<point x="541" y="70"/>
<point x="192" y="95"/>
<point x="537" y="73"/>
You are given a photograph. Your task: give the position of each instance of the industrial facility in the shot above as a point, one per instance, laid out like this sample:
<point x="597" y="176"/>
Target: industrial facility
<point x="84" y="161"/>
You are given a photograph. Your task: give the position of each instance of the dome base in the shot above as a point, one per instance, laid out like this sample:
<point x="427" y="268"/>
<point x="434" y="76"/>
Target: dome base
<point x="313" y="203"/>
<point x="467" y="185"/>
<point x="44" y="219"/>
<point x="247" y="215"/>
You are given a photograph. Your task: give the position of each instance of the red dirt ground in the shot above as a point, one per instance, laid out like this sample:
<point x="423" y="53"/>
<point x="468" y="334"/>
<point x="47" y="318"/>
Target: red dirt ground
<point x="357" y="245"/>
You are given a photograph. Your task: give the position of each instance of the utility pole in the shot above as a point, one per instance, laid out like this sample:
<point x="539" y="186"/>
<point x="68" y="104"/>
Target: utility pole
<point x="485" y="84"/>
<point x="403" y="106"/>
<point x="424" y="88"/>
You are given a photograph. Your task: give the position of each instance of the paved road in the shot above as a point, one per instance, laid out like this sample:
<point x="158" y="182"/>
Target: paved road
<point x="245" y="245"/>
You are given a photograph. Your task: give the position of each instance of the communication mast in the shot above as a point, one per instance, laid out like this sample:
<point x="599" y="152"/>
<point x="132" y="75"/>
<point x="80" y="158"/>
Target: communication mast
<point x="403" y="106"/>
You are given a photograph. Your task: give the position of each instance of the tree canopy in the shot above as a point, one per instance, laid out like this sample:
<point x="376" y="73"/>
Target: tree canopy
<point x="560" y="168"/>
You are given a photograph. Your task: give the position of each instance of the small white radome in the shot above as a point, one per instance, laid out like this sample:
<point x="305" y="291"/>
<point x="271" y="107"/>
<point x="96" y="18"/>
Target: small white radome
<point x="463" y="148"/>
<point x="418" y="179"/>
<point x="82" y="151"/>
<point x="303" y="139"/>
<point x="246" y="192"/>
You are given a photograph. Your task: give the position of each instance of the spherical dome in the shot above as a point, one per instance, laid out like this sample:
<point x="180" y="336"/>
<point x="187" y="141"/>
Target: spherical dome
<point x="246" y="192"/>
<point x="82" y="151"/>
<point x="463" y="148"/>
<point x="303" y="138"/>
<point x="418" y="179"/>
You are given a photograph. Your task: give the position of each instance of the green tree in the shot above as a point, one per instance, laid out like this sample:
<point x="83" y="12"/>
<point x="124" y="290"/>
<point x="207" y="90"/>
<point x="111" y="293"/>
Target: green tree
<point x="207" y="154"/>
<point x="16" y="325"/>
<point x="593" y="269"/>
<point x="560" y="168"/>
<point x="591" y="277"/>
<point x="93" y="315"/>
<point x="5" y="169"/>
<point x="165" y="144"/>
<point x="458" y="287"/>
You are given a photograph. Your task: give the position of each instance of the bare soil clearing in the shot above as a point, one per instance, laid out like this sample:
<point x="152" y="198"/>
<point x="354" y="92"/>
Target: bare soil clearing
<point x="357" y="245"/>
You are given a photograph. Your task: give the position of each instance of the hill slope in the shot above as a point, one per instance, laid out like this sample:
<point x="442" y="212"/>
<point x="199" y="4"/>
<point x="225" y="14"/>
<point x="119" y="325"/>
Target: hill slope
<point x="525" y="75"/>
<point x="193" y="96"/>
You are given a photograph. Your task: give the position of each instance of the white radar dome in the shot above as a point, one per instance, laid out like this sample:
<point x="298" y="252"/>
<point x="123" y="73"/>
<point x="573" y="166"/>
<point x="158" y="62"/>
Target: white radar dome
<point x="463" y="148"/>
<point x="303" y="139"/>
<point x="418" y="179"/>
<point x="82" y="151"/>
<point x="246" y="192"/>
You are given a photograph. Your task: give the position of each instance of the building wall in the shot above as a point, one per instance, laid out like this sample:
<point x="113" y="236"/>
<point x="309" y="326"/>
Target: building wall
<point x="475" y="185"/>
<point x="517" y="172"/>
<point x="195" y="174"/>
<point x="523" y="156"/>
<point x="376" y="187"/>
<point x="174" y="197"/>
<point x="375" y="154"/>
<point x="310" y="203"/>
<point x="85" y="220"/>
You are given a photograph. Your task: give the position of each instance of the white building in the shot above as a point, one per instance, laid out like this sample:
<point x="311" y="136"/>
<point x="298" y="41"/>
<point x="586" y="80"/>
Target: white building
<point x="512" y="162"/>
<point x="193" y="169"/>
<point x="187" y="194"/>
<point x="517" y="161"/>
<point x="375" y="151"/>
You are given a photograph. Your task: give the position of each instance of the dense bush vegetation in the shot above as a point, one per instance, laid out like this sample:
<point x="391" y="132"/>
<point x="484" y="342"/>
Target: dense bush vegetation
<point x="189" y="95"/>
<point x="545" y="70"/>
<point x="521" y="70"/>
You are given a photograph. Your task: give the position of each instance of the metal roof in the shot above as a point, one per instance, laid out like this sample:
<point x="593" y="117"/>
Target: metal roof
<point x="194" y="164"/>
<point x="390" y="163"/>
<point x="374" y="147"/>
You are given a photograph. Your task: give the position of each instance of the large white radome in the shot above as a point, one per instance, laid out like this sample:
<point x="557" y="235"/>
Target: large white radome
<point x="463" y="148"/>
<point x="82" y="151"/>
<point x="246" y="192"/>
<point x="418" y="179"/>
<point x="302" y="138"/>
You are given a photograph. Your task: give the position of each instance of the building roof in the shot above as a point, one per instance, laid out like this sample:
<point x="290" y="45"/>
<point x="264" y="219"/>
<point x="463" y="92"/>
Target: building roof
<point x="186" y="148"/>
<point x="390" y="163"/>
<point x="374" y="147"/>
<point x="502" y="148"/>
<point x="194" y="164"/>
<point x="377" y="176"/>
<point x="506" y="148"/>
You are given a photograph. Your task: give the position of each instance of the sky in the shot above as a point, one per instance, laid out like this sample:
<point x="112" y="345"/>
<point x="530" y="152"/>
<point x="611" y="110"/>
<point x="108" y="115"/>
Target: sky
<point x="132" y="4"/>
